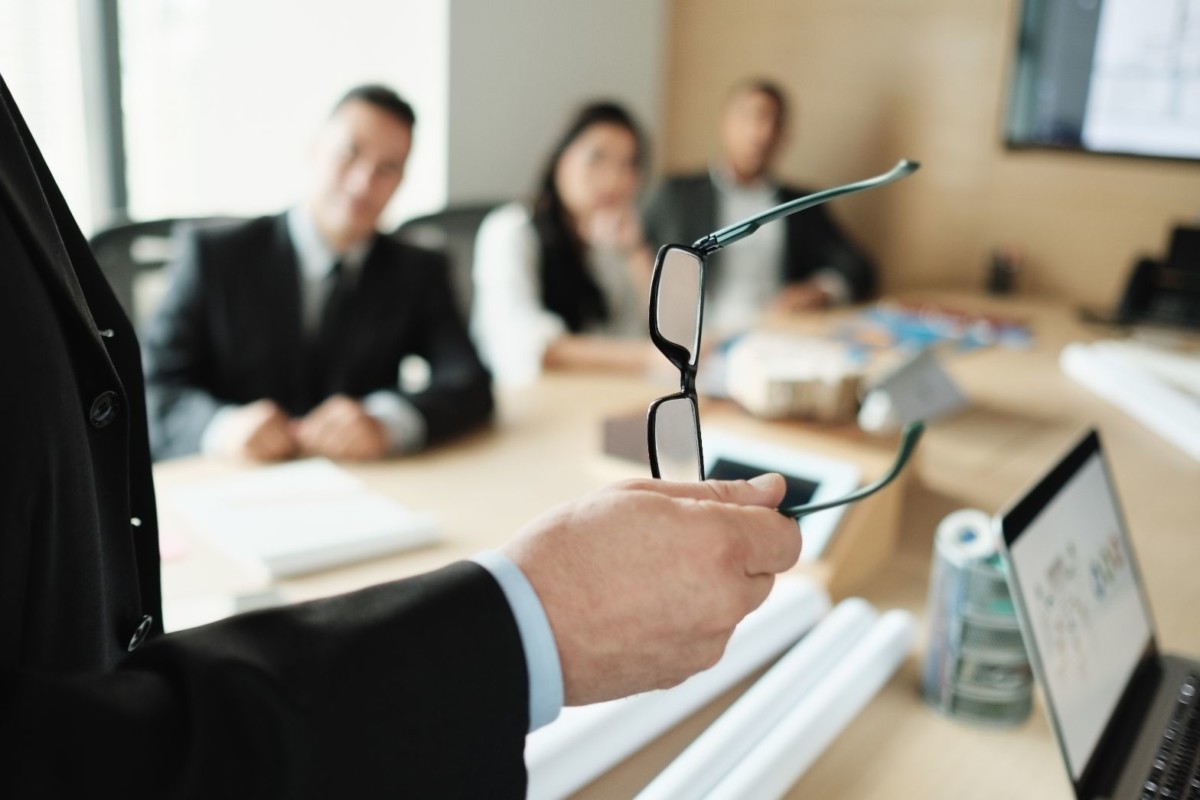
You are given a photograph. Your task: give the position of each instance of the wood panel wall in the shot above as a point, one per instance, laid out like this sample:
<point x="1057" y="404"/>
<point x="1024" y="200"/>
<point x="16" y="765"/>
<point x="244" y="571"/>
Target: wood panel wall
<point x="874" y="80"/>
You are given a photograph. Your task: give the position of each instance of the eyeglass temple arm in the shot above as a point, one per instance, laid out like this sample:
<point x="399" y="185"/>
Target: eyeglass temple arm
<point x="740" y="230"/>
<point x="912" y="433"/>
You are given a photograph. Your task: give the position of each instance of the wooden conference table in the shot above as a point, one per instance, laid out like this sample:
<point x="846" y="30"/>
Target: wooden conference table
<point x="546" y="448"/>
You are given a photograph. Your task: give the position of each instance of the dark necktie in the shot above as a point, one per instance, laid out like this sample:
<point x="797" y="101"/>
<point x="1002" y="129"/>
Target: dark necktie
<point x="334" y="312"/>
<point x="327" y="345"/>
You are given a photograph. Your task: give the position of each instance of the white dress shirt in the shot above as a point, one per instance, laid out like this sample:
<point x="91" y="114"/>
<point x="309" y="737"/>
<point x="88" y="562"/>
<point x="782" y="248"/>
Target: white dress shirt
<point x="751" y="272"/>
<point x="509" y="324"/>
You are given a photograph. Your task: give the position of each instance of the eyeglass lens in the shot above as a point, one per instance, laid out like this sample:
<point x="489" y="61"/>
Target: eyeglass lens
<point x="678" y="308"/>
<point x="676" y="432"/>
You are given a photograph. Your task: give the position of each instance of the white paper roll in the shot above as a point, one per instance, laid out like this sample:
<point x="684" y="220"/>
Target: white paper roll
<point x="587" y="740"/>
<point x="1169" y="411"/>
<point x="736" y="732"/>
<point x="782" y="756"/>
<point x="965" y="536"/>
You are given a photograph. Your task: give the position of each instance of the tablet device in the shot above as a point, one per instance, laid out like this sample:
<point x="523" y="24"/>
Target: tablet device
<point x="810" y="478"/>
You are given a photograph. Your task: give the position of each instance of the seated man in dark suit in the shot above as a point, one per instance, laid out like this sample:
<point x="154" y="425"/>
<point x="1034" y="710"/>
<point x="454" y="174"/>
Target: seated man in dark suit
<point x="284" y="335"/>
<point x="804" y="263"/>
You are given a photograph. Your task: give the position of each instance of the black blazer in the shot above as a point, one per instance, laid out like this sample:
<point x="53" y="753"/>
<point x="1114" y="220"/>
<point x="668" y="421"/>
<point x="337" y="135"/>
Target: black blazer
<point x="416" y="688"/>
<point x="229" y="331"/>
<point x="683" y="209"/>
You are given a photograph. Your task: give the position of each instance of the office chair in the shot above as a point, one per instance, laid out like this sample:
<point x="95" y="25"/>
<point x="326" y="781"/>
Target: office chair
<point x="131" y="251"/>
<point x="452" y="232"/>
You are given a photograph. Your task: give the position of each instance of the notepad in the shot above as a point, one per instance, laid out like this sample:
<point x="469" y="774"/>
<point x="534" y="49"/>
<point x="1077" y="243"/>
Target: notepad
<point x="300" y="517"/>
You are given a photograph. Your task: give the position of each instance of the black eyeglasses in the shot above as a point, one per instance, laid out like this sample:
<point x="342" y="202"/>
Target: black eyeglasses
<point x="676" y="317"/>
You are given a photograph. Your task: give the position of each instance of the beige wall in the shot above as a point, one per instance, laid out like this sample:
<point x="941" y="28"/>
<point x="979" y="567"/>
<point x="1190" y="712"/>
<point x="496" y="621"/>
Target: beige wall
<point x="507" y="107"/>
<point x="875" y="80"/>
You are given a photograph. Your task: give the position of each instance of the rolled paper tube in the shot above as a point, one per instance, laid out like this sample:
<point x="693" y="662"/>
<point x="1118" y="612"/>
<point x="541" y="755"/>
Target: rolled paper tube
<point x="586" y="741"/>
<point x="736" y="732"/>
<point x="782" y="756"/>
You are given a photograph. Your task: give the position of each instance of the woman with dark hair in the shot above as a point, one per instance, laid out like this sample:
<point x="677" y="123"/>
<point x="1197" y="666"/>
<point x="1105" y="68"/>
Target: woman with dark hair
<point x="562" y="283"/>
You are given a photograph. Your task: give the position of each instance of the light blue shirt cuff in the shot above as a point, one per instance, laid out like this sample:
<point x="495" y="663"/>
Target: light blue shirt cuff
<point x="537" y="639"/>
<point x="213" y="436"/>
<point x="404" y="424"/>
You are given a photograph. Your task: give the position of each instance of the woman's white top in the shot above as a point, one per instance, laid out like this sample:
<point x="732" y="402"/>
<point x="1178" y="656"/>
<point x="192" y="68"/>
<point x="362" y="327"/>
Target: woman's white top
<point x="509" y="324"/>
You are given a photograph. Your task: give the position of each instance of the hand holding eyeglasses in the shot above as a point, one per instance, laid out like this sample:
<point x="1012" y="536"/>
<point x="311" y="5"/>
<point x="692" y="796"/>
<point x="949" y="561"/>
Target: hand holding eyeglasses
<point x="644" y="582"/>
<point x="676" y="317"/>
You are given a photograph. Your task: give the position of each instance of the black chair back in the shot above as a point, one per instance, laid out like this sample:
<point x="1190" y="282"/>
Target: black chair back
<point x="452" y="232"/>
<point x="128" y="252"/>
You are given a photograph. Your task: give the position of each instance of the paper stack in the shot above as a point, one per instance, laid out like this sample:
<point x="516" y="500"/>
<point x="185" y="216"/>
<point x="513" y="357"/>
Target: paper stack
<point x="299" y="517"/>
<point x="776" y="376"/>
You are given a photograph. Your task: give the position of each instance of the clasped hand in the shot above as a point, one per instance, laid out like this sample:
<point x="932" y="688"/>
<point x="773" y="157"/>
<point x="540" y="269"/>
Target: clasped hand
<point x="338" y="428"/>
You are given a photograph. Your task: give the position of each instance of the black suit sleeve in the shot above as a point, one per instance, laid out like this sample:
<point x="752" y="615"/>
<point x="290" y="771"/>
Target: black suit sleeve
<point x="179" y="358"/>
<point x="459" y="395"/>
<point x="411" y="689"/>
<point x="815" y="242"/>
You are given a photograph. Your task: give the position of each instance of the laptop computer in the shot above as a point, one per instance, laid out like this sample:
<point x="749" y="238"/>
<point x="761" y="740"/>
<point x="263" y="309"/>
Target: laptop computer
<point x="1125" y="715"/>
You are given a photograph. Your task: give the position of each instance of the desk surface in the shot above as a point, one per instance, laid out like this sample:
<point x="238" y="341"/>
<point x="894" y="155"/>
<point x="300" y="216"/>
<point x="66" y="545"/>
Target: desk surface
<point x="1024" y="412"/>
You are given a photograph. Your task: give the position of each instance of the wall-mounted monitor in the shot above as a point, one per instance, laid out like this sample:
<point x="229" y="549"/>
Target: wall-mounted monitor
<point x="1107" y="76"/>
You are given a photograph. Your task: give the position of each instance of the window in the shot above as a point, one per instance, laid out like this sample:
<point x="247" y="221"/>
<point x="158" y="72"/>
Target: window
<point x="39" y="58"/>
<point x="222" y="97"/>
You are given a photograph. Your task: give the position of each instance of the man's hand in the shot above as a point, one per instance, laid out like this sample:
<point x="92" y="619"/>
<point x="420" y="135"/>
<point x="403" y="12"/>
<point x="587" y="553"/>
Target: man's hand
<point x="340" y="428"/>
<point x="258" y="431"/>
<point x="644" y="582"/>
<point x="804" y="296"/>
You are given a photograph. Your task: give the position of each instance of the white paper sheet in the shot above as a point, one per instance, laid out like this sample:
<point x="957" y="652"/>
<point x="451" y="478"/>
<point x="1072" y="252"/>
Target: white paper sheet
<point x="782" y="756"/>
<point x="299" y="517"/>
<point x="736" y="732"/>
<point x="586" y="741"/>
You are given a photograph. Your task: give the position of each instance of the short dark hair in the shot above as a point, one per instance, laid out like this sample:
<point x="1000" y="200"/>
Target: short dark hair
<point x="763" y="86"/>
<point x="382" y="97"/>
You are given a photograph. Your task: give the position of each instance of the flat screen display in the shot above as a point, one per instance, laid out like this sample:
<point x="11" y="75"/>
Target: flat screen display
<point x="1107" y="76"/>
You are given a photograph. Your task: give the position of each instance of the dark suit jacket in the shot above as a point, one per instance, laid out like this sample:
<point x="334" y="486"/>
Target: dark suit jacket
<point x="684" y="209"/>
<point x="411" y="689"/>
<point x="229" y="332"/>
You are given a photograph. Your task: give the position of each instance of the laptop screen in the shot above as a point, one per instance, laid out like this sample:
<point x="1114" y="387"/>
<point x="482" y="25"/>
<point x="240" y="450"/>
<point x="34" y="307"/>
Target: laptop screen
<point x="1078" y="588"/>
